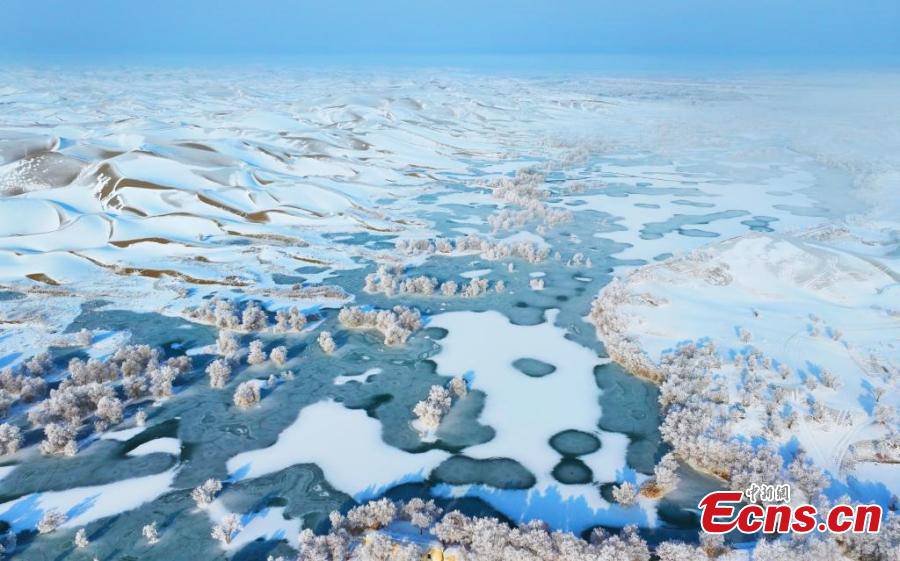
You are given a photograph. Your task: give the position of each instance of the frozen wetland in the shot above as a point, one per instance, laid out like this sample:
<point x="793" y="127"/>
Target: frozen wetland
<point x="552" y="242"/>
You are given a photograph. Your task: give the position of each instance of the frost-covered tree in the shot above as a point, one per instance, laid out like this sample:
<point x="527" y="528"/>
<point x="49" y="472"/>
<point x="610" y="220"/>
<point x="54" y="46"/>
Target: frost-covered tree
<point x="109" y="412"/>
<point x="431" y="410"/>
<point x="247" y="394"/>
<point x="677" y="551"/>
<point x="279" y="355"/>
<point x="420" y="513"/>
<point x="39" y="364"/>
<point x="59" y="440"/>
<point x="624" y="494"/>
<point x="458" y="387"/>
<point x="326" y="342"/>
<point x="162" y="380"/>
<point x="665" y="477"/>
<point x="371" y="516"/>
<point x="885" y="414"/>
<point x="334" y="546"/>
<point x="798" y="549"/>
<point x="81" y="539"/>
<point x="536" y="284"/>
<point x="50" y="521"/>
<point x="829" y="380"/>
<point x="206" y="492"/>
<point x="150" y="533"/>
<point x="227" y="529"/>
<point x="254" y="318"/>
<point x="227" y="344"/>
<point x="379" y="547"/>
<point x="289" y="320"/>
<point x="396" y="325"/>
<point x="219" y="372"/>
<point x="140" y="418"/>
<point x="256" y="355"/>
<point x="475" y="288"/>
<point x="808" y="478"/>
<point x="449" y="288"/>
<point x="84" y="338"/>
<point x="10" y="439"/>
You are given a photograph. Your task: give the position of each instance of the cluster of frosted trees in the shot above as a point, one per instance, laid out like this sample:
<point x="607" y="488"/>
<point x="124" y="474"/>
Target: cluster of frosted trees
<point x="606" y="317"/>
<point x="430" y="411"/>
<point x="204" y="494"/>
<point x="90" y="391"/>
<point x="524" y="190"/>
<point x="370" y="532"/>
<point x="389" y="282"/>
<point x="475" y="244"/>
<point x="360" y="535"/>
<point x="396" y="325"/>
<point x="252" y="318"/>
<point x="696" y="421"/>
<point x="219" y="371"/>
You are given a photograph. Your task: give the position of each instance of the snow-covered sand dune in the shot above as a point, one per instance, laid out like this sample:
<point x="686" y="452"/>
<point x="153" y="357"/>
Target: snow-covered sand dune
<point x="810" y="322"/>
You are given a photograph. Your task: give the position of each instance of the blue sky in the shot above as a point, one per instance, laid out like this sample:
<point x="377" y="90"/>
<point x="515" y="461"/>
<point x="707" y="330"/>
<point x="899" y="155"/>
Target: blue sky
<point x="813" y="28"/>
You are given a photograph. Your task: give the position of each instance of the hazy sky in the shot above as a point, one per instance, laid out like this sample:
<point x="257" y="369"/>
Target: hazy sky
<point x="291" y="27"/>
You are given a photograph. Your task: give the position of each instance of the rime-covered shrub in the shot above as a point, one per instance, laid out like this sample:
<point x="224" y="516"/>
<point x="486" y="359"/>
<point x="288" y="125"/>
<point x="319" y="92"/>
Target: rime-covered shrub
<point x="227" y="344"/>
<point x="59" y="440"/>
<point x="396" y="325"/>
<point x="256" y="355"/>
<point x="150" y="533"/>
<point x="278" y="355"/>
<point x="247" y="395"/>
<point x="81" y="539"/>
<point x="490" y="539"/>
<point x="579" y="260"/>
<point x="50" y="521"/>
<point x="371" y="516"/>
<point x="808" y="478"/>
<point x="665" y="477"/>
<point x="536" y="284"/>
<point x="810" y="548"/>
<point x="475" y="288"/>
<point x="84" y="338"/>
<point x="624" y="494"/>
<point x="109" y="412"/>
<point x="677" y="551"/>
<point x="206" y="492"/>
<point x="376" y="546"/>
<point x="458" y="387"/>
<point x="254" y="318"/>
<point x="449" y="288"/>
<point x="10" y="439"/>
<point x="162" y="380"/>
<point x="39" y="364"/>
<point x="289" y="320"/>
<point x="227" y="529"/>
<point x="472" y="243"/>
<point x="219" y="372"/>
<point x="334" y="546"/>
<point x="431" y="410"/>
<point x="326" y="342"/>
<point x="420" y="514"/>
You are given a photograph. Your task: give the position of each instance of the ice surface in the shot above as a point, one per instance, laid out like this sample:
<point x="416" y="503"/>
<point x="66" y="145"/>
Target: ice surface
<point x="340" y="441"/>
<point x="82" y="505"/>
